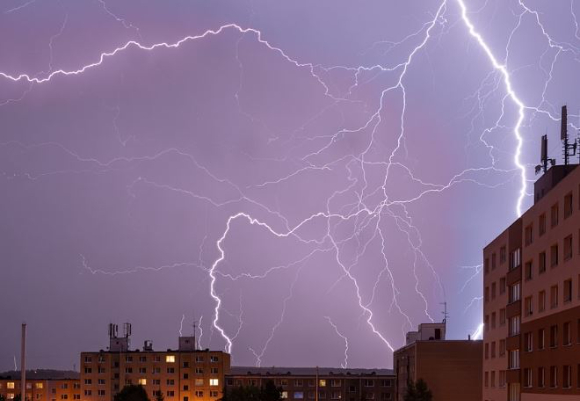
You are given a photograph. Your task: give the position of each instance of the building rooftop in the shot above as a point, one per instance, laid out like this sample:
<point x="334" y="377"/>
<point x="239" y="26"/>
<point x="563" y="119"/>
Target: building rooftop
<point x="306" y="371"/>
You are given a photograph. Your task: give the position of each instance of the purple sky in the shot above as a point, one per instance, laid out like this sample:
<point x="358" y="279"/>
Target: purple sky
<point x="329" y="171"/>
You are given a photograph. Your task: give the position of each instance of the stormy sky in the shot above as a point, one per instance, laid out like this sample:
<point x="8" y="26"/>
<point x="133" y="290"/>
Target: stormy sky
<point x="308" y="180"/>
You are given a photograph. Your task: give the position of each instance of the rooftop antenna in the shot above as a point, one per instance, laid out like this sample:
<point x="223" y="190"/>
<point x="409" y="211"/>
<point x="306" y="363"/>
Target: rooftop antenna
<point x="445" y="314"/>
<point x="569" y="149"/>
<point x="544" y="160"/>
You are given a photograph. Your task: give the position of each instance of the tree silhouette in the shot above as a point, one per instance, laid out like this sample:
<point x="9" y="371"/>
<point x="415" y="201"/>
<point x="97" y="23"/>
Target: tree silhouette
<point x="418" y="391"/>
<point x="132" y="392"/>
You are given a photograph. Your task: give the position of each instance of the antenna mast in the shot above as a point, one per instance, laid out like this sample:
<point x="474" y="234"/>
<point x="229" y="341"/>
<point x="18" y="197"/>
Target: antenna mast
<point x="569" y="149"/>
<point x="445" y="314"/>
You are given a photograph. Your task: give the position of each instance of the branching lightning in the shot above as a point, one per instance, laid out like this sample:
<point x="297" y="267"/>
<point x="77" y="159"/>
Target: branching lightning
<point x="372" y="207"/>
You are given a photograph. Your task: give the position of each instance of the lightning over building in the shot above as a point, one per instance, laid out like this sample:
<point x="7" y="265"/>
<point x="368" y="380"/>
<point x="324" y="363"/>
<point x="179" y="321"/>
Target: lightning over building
<point x="284" y="169"/>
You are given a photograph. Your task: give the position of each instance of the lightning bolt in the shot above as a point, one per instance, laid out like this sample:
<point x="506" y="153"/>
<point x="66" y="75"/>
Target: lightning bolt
<point x="181" y="325"/>
<point x="364" y="210"/>
<point x="344" y="364"/>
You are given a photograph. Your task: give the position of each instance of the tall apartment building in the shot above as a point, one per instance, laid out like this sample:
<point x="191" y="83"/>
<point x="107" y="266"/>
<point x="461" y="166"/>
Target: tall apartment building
<point x="451" y="368"/>
<point x="532" y="297"/>
<point x="184" y="374"/>
<point x="42" y="390"/>
<point x="330" y="383"/>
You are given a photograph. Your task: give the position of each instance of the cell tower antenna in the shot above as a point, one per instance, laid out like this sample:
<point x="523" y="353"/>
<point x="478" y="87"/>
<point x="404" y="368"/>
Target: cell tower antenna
<point x="569" y="148"/>
<point x="544" y="159"/>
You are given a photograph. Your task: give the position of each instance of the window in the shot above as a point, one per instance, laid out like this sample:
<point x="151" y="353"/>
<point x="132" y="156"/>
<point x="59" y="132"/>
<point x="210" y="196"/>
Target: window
<point x="502" y="347"/>
<point x="284" y="395"/>
<point x="369" y="383"/>
<point x="528" y="378"/>
<point x="185" y="398"/>
<point x="502" y="286"/>
<point x="321" y="383"/>
<point x="101" y="393"/>
<point x="493" y="290"/>
<point x="214" y="382"/>
<point x="321" y="395"/>
<point x="156" y="382"/>
<point x="170" y="370"/>
<point x="386" y="383"/>
<point x="89" y="392"/>
<point x="88" y="382"/>
<point x="541" y="262"/>
<point x="541" y="377"/>
<point x="186" y="376"/>
<point x="502" y="317"/>
<point x="502" y="255"/>
<point x="554" y="255"/>
<point x="554" y="215"/>
<point x="554" y="296"/>
<point x="566" y="376"/>
<point x="156" y="371"/>
<point x="568" y="290"/>
<point x="528" y="270"/>
<point x="199" y="394"/>
<point x="143" y="370"/>
<point x="493" y="320"/>
<point x="486" y="352"/>
<point x="213" y="394"/>
<point x="142" y="359"/>
<point x="529" y="234"/>
<point x="214" y="371"/>
<point x="542" y="224"/>
<point x="88" y="370"/>
<point x="88" y="359"/>
<point x="101" y="382"/>
<point x="185" y="387"/>
<point x="199" y="371"/>
<point x="486" y="379"/>
<point x="170" y="382"/>
<point x="568" y="205"/>
<point x="529" y="342"/>
<point x="486" y="265"/>
<point x="514" y="392"/>
<point x="335" y="383"/>
<point x="541" y="301"/>
<point x="10" y="385"/>
<point x="493" y="261"/>
<point x="128" y="358"/>
<point x="514" y="359"/>
<point x="170" y="358"/>
<point x="142" y="382"/>
<point x="199" y="358"/>
<point x="492" y="381"/>
<point x="529" y="306"/>
<point x="486" y="295"/>
<point x="214" y="359"/>
<point x="492" y="349"/>
<point x="39" y="385"/>
<point x="170" y="393"/>
<point x="567" y="334"/>
<point x="101" y="370"/>
<point x="515" y="292"/>
<point x="553" y="376"/>
<point x="502" y="378"/>
<point x="516" y="259"/>
<point x="553" y="336"/>
<point x="298" y="395"/>
<point x="185" y="364"/>
<point x="541" y="339"/>
<point x="568" y="247"/>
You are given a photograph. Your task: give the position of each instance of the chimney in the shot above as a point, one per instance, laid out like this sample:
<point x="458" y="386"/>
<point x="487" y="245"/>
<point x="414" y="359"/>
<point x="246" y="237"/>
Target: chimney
<point x="23" y="364"/>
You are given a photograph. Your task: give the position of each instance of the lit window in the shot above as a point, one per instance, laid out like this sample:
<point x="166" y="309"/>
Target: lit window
<point x="284" y="395"/>
<point x="10" y="385"/>
<point x="170" y="358"/>
<point x="322" y="383"/>
<point x="39" y="385"/>
<point x="298" y="395"/>
<point x="143" y="382"/>
<point x="213" y="382"/>
<point x="10" y="396"/>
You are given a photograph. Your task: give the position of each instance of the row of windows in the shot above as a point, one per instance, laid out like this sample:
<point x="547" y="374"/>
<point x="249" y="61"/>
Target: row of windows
<point x="310" y="382"/>
<point x="558" y="376"/>
<point x="489" y="379"/>
<point x="490" y="349"/>
<point x="567" y="294"/>
<point x="502" y="259"/>
<point x="155" y="358"/>
<point x="334" y="395"/>
<point x="554" y="339"/>
<point x="554" y="257"/>
<point x="11" y="396"/>
<point x="554" y="219"/>
<point x="142" y="370"/>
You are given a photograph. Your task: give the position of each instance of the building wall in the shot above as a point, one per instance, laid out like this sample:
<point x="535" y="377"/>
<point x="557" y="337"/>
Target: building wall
<point x="451" y="369"/>
<point x="349" y="387"/>
<point x="179" y="375"/>
<point x="42" y="390"/>
<point x="562" y="238"/>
